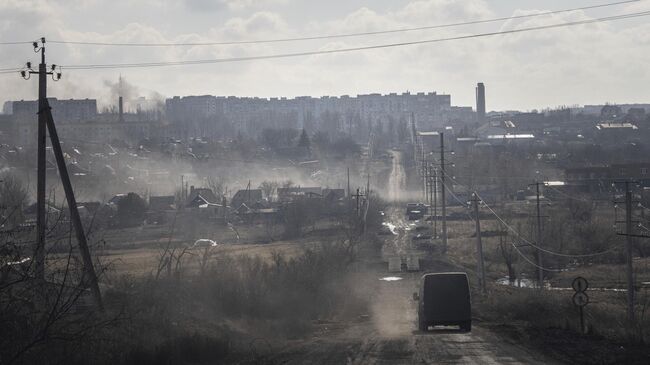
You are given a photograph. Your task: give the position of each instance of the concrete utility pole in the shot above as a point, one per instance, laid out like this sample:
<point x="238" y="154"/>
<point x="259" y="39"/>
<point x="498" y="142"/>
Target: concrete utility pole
<point x="540" y="270"/>
<point x="46" y="121"/>
<point x="480" y="264"/>
<point x="39" y="252"/>
<point x="629" y="243"/>
<point x="435" y="203"/>
<point x="89" y="270"/>
<point x="443" y="196"/>
<point x="348" y="183"/>
<point x="629" y="274"/>
<point x="357" y="196"/>
<point x="367" y="206"/>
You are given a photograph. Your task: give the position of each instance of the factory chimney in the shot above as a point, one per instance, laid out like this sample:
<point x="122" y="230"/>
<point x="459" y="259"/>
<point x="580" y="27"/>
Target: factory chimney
<point x="480" y="103"/>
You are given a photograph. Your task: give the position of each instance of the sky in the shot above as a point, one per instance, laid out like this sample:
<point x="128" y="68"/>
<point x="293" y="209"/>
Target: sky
<point x="585" y="64"/>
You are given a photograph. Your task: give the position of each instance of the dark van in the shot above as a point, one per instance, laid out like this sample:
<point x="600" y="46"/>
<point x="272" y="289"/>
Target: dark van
<point x="444" y="300"/>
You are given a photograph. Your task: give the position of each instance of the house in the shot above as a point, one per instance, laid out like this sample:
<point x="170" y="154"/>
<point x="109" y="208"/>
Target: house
<point x="52" y="213"/>
<point x="257" y="213"/>
<point x="599" y="179"/>
<point x="200" y="196"/>
<point x="333" y="195"/>
<point x="246" y="196"/>
<point x="290" y="194"/>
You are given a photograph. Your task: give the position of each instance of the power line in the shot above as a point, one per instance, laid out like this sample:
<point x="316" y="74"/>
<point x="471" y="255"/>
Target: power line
<point x="516" y="233"/>
<point x="540" y="248"/>
<point x="352" y="49"/>
<point x="9" y="43"/>
<point x="335" y="36"/>
<point x="510" y="228"/>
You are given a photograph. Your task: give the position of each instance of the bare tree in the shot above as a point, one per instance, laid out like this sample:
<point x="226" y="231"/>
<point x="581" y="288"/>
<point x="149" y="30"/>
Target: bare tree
<point x="216" y="184"/>
<point x="268" y="188"/>
<point x="13" y="197"/>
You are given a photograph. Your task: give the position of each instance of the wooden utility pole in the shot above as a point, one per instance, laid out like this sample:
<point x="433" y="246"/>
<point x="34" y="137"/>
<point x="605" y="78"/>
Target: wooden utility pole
<point x="480" y="264"/>
<point x="443" y="196"/>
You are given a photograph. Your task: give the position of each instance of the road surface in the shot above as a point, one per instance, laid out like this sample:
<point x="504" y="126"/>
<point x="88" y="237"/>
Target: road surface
<point x="397" y="178"/>
<point x="389" y="335"/>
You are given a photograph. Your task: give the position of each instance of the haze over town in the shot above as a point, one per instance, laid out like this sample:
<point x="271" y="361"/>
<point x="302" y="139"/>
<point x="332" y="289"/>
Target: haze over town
<point x="300" y="182"/>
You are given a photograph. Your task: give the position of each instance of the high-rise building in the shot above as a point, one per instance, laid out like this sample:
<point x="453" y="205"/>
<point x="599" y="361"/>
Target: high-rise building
<point x="480" y="102"/>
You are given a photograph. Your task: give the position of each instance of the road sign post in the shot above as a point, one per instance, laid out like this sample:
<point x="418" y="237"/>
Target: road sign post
<point x="580" y="298"/>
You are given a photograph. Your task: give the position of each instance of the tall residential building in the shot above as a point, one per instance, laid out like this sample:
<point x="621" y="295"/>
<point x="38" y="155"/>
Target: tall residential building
<point x="480" y="102"/>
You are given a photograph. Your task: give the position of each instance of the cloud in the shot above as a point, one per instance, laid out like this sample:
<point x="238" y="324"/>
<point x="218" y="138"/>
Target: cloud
<point x="584" y="64"/>
<point x="234" y="5"/>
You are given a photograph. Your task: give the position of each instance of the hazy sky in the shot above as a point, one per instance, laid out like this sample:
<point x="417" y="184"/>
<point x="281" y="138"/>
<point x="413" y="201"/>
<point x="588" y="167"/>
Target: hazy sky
<point x="596" y="63"/>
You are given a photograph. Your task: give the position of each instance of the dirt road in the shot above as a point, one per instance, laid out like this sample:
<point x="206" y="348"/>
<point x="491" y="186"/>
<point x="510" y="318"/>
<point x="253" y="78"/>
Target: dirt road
<point x="397" y="178"/>
<point x="389" y="336"/>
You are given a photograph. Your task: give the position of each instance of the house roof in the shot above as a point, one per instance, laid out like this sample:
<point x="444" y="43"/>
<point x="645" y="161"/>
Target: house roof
<point x="300" y="191"/>
<point x="204" y="193"/>
<point x="250" y="195"/>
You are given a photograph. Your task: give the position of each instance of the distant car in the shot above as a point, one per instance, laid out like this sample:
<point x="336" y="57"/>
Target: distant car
<point x="204" y="243"/>
<point x="444" y="299"/>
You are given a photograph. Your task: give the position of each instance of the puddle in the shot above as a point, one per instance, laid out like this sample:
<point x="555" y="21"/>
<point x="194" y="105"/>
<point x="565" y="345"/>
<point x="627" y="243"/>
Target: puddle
<point x="391" y="278"/>
<point x="391" y="227"/>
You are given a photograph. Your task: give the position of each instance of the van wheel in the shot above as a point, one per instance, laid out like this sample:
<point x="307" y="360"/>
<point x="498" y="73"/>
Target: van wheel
<point x="466" y="326"/>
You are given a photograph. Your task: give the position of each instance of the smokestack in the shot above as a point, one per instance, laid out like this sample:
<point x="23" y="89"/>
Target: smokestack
<point x="120" y="107"/>
<point x="480" y="102"/>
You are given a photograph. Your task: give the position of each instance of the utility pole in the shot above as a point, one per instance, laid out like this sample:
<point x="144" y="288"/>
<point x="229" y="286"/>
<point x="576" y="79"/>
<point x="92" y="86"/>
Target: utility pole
<point x="357" y="196"/>
<point x="89" y="271"/>
<point x="46" y="121"/>
<point x="480" y="265"/>
<point x="435" y="203"/>
<point x="367" y="205"/>
<point x="443" y="196"/>
<point x="540" y="270"/>
<point x="629" y="243"/>
<point x="628" y="254"/>
<point x="348" y="183"/>
<point x="39" y="253"/>
<point x="430" y="190"/>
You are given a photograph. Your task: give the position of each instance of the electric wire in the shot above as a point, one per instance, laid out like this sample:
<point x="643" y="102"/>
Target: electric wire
<point x="553" y="253"/>
<point x="511" y="243"/>
<point x="351" y="49"/>
<point x="336" y="36"/>
<point x="510" y="228"/>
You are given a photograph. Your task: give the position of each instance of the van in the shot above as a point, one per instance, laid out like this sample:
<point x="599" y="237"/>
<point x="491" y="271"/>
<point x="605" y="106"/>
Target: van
<point x="444" y="299"/>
